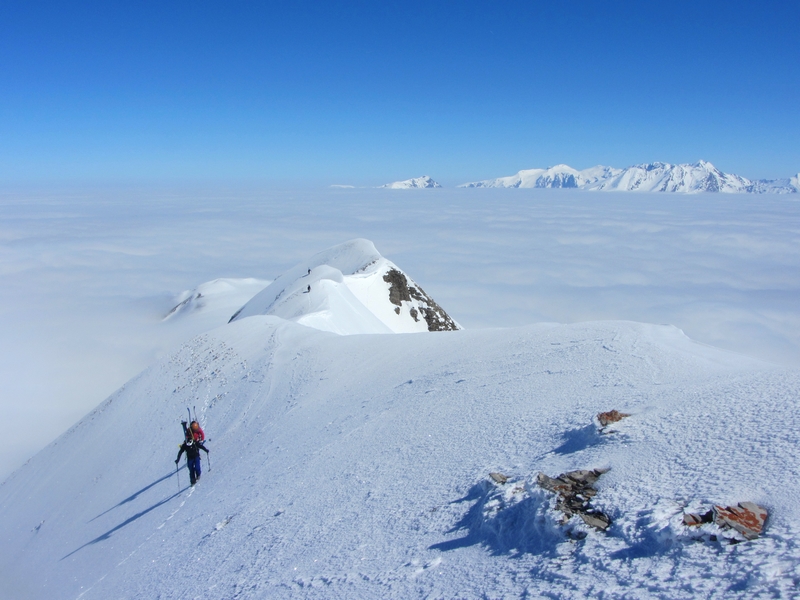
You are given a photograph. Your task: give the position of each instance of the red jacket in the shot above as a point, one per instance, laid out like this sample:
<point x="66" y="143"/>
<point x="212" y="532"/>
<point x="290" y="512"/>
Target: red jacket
<point x="197" y="432"/>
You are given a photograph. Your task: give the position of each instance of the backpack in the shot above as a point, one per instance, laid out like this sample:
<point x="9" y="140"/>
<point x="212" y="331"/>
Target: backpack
<point x="197" y="432"/>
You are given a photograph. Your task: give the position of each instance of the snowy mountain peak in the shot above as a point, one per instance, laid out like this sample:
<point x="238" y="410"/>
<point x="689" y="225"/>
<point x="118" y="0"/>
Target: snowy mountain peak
<point x="701" y="176"/>
<point x="424" y="182"/>
<point x="350" y="289"/>
<point x="558" y="176"/>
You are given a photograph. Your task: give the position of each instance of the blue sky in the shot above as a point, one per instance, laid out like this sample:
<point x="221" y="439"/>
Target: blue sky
<point x="369" y="92"/>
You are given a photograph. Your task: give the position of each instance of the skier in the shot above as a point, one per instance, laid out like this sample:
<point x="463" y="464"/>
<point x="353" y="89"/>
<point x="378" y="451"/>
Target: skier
<point x="192" y="449"/>
<point x="197" y="432"/>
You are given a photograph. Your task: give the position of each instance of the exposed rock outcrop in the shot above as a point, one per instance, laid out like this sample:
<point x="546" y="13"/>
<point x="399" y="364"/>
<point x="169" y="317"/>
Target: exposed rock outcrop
<point x="747" y="518"/>
<point x="575" y="491"/>
<point x="498" y="478"/>
<point x="612" y="416"/>
<point x="400" y="291"/>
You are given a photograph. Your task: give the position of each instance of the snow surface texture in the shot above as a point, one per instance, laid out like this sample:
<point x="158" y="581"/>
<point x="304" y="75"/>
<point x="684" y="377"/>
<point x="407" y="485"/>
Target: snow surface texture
<point x="350" y="289"/>
<point x="701" y="176"/>
<point x="357" y="467"/>
<point x="424" y="182"/>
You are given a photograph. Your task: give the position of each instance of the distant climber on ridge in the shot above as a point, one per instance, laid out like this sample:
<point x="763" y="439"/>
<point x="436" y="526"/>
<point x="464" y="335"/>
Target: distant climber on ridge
<point x="192" y="449"/>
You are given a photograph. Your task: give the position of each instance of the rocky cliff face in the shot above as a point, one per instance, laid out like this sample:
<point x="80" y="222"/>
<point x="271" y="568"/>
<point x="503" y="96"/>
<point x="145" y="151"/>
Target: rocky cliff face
<point x="420" y="305"/>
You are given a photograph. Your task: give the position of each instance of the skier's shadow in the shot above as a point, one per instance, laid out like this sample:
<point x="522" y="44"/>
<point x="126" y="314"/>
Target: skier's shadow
<point x="135" y="495"/>
<point x="579" y="439"/>
<point x="469" y="522"/>
<point x="128" y="521"/>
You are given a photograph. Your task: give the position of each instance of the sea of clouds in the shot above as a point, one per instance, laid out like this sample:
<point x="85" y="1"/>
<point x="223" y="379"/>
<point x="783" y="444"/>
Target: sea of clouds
<point x="88" y="274"/>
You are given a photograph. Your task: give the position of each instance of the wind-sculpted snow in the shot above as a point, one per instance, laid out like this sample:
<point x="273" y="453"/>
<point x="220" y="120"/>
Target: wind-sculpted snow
<point x="207" y="306"/>
<point x="350" y="289"/>
<point x="357" y="467"/>
<point x="216" y="296"/>
<point x="701" y="176"/>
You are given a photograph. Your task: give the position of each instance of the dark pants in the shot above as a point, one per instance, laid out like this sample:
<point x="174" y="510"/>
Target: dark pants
<point x="194" y="469"/>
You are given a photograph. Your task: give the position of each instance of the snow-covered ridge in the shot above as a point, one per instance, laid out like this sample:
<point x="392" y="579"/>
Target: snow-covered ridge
<point x="350" y="289"/>
<point x="424" y="182"/>
<point x="559" y="176"/>
<point x="358" y="467"/>
<point x="701" y="176"/>
<point x="205" y="307"/>
<point x="218" y="295"/>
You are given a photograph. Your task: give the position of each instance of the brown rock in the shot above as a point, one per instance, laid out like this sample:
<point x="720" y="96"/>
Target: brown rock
<point x="612" y="416"/>
<point x="692" y="520"/>
<point x="747" y="518"/>
<point x="498" y="477"/>
<point x="596" y="519"/>
<point x="575" y="489"/>
<point x="552" y="485"/>
<point x="401" y="291"/>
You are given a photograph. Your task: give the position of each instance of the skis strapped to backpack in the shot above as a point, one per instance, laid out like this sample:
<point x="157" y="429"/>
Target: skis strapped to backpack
<point x="185" y="424"/>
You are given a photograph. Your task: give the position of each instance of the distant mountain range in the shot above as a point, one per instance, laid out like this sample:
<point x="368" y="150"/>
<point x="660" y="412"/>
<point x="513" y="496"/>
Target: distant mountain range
<point x="701" y="176"/>
<point x="410" y="184"/>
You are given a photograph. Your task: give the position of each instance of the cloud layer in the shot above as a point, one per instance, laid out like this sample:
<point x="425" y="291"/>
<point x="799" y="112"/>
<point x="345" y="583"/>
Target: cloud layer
<point x="87" y="275"/>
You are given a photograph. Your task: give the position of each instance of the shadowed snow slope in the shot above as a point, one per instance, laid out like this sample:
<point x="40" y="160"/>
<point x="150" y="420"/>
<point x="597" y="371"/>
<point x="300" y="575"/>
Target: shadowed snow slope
<point x="350" y="289"/>
<point x="356" y="467"/>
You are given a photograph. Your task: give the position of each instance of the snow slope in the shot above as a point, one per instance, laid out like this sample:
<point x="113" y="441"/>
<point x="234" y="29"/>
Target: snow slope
<point x="701" y="176"/>
<point x="424" y="182"/>
<point x="350" y="289"/>
<point x="212" y="303"/>
<point x="356" y="467"/>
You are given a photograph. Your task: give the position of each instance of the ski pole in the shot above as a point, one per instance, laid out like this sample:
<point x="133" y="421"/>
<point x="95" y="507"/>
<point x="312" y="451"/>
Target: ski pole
<point x="178" y="477"/>
<point x="208" y="459"/>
